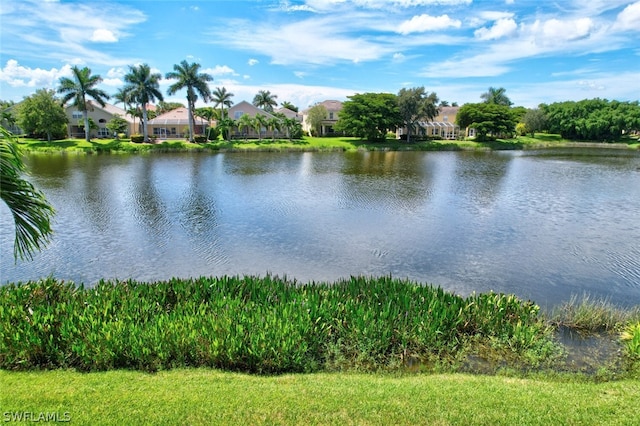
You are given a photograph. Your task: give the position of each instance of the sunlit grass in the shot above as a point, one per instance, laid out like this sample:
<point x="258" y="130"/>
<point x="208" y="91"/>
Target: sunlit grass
<point x="588" y="314"/>
<point x="203" y="396"/>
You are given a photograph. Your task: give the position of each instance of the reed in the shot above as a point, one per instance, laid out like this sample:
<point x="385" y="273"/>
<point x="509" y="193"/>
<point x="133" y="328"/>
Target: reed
<point x="588" y="314"/>
<point x="256" y="324"/>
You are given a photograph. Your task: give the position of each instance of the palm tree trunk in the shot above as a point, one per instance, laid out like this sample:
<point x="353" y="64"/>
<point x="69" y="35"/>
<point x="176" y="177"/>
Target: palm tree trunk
<point x="145" y="131"/>
<point x="87" y="130"/>
<point x="191" y="121"/>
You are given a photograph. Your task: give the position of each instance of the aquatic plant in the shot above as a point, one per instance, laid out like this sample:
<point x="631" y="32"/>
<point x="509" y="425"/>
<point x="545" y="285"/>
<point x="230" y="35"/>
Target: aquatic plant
<point x="256" y="324"/>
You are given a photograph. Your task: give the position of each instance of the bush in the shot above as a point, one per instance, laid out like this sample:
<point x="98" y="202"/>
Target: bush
<point x="262" y="325"/>
<point x="137" y="138"/>
<point x="213" y="133"/>
<point x="200" y="139"/>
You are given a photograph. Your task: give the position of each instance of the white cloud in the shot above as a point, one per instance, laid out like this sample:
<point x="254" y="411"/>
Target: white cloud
<point x="555" y="31"/>
<point x="399" y="57"/>
<point x="299" y="74"/>
<point x="423" y="23"/>
<point x="501" y="28"/>
<point x="629" y="18"/>
<point x="118" y="72"/>
<point x="102" y="35"/>
<point x="16" y="75"/>
<point x="252" y="62"/>
<point x="220" y="70"/>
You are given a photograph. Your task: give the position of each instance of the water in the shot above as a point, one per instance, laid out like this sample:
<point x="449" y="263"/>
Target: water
<point x="544" y="225"/>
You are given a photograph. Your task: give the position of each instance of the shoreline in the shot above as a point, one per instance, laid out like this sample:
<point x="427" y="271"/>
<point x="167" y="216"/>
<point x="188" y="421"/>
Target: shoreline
<point x="307" y="144"/>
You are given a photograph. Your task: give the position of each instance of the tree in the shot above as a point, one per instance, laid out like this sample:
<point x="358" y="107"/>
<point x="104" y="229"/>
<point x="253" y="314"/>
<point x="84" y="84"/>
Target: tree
<point x="78" y="88"/>
<point x="225" y="125"/>
<point x="222" y="98"/>
<point x="265" y="100"/>
<point x="416" y="105"/>
<point x="369" y="115"/>
<point x="208" y="113"/>
<point x="117" y="125"/>
<point x="143" y="88"/>
<point x="42" y="114"/>
<point x="486" y="118"/>
<point x="535" y="120"/>
<point x="259" y="122"/>
<point x="289" y="105"/>
<point x="496" y="96"/>
<point x="315" y="116"/>
<point x="168" y="106"/>
<point x="275" y="123"/>
<point x="245" y="122"/>
<point x="31" y="211"/>
<point x="196" y="83"/>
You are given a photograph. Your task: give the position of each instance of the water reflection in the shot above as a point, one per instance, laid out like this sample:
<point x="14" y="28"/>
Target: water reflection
<point x="543" y="227"/>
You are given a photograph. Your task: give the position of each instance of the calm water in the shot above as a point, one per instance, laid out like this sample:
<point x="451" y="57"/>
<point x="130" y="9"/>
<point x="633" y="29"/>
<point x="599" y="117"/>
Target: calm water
<point x="543" y="225"/>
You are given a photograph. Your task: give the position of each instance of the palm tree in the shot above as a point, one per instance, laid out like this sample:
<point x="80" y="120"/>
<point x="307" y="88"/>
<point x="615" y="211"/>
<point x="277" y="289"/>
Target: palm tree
<point x="31" y="211"/>
<point x="82" y="85"/>
<point x="496" y="96"/>
<point x="143" y="88"/>
<point x="222" y="98"/>
<point x="123" y="97"/>
<point x="259" y="122"/>
<point x="276" y="123"/>
<point x="196" y="83"/>
<point x="289" y="105"/>
<point x="245" y="122"/>
<point x="265" y="100"/>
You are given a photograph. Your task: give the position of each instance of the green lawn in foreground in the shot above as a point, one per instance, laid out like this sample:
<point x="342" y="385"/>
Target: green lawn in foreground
<point x="201" y="396"/>
<point x="306" y="144"/>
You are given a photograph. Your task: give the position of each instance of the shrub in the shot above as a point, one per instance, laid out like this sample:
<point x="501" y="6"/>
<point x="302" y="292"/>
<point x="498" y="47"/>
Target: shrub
<point x="137" y="138"/>
<point x="200" y="139"/>
<point x="213" y="133"/>
<point x="631" y="339"/>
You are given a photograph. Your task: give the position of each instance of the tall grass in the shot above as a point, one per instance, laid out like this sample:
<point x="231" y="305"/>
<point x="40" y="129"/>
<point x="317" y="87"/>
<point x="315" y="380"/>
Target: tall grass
<point x="588" y="314"/>
<point x="263" y="325"/>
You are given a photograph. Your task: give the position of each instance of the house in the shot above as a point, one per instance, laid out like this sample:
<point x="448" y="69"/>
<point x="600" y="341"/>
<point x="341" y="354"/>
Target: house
<point x="175" y="124"/>
<point x="290" y="114"/>
<point x="100" y="115"/>
<point x="327" y="125"/>
<point x="245" y="108"/>
<point x="442" y="126"/>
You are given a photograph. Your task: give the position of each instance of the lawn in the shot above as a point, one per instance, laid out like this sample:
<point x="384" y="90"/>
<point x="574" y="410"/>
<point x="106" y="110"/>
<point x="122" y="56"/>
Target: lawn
<point x="203" y="396"/>
<point x="306" y="144"/>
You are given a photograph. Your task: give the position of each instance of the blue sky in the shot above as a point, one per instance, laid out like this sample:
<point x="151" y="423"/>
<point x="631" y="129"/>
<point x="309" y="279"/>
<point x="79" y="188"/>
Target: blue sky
<point x="307" y="51"/>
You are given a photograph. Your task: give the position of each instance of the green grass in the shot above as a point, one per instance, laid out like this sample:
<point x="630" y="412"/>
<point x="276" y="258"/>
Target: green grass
<point x="202" y="396"/>
<point x="306" y="144"/>
<point x="587" y="314"/>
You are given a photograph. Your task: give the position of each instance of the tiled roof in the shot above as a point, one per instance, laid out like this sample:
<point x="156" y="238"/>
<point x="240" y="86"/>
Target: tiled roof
<point x="177" y="116"/>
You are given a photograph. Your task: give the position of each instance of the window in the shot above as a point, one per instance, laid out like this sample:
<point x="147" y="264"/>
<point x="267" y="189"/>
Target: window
<point x="330" y="116"/>
<point x="173" y="130"/>
<point x="237" y="115"/>
<point x="103" y="132"/>
<point x="445" y="118"/>
<point x="76" y="114"/>
<point x="102" y="120"/>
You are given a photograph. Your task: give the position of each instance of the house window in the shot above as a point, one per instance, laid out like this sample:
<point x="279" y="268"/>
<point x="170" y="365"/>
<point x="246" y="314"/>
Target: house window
<point x="76" y="114"/>
<point x="102" y="120"/>
<point x="103" y="132"/>
<point x="237" y="115"/>
<point x="330" y="116"/>
<point x="445" y="118"/>
<point x="173" y="130"/>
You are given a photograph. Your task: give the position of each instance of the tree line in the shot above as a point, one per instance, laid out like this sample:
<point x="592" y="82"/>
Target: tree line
<point x="43" y="112"/>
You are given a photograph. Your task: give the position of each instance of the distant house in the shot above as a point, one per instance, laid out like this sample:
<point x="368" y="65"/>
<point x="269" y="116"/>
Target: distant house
<point x="290" y="114"/>
<point x="245" y="108"/>
<point x="100" y="115"/>
<point x="175" y="124"/>
<point x="327" y="126"/>
<point x="442" y="126"/>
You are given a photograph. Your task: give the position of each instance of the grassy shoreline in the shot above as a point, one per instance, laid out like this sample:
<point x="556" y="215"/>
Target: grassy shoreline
<point x="203" y="396"/>
<point x="311" y="144"/>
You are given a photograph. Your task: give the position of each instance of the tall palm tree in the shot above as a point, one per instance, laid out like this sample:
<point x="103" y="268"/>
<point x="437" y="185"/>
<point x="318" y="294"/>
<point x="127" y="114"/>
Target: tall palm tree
<point x="196" y="83"/>
<point x="289" y="105"/>
<point x="222" y="98"/>
<point x="496" y="96"/>
<point x="275" y="123"/>
<point x="143" y="87"/>
<point x="81" y="86"/>
<point x="124" y="98"/>
<point x="265" y="100"/>
<point x="30" y="210"/>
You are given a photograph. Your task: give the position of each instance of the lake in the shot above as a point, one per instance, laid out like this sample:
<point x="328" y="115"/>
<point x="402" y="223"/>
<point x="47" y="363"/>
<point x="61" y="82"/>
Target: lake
<point x="544" y="225"/>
